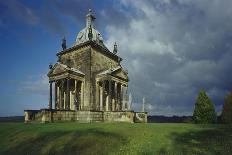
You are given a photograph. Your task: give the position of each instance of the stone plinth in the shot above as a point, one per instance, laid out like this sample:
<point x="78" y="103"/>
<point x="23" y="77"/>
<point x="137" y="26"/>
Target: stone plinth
<point x="51" y="115"/>
<point x="140" y="117"/>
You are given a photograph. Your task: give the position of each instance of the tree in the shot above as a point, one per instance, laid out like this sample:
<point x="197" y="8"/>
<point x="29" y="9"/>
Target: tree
<point x="204" y="111"/>
<point x="227" y="109"/>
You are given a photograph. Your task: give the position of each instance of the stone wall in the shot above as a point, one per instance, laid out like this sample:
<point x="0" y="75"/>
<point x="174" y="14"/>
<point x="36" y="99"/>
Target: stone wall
<point x="99" y="63"/>
<point x="30" y="115"/>
<point x="114" y="116"/>
<point x="90" y="61"/>
<point x="81" y="60"/>
<point x="46" y="115"/>
<point x="140" y="117"/>
<point x="89" y="116"/>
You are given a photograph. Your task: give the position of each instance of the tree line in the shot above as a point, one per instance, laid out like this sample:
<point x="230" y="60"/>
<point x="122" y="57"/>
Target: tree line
<point x="204" y="111"/>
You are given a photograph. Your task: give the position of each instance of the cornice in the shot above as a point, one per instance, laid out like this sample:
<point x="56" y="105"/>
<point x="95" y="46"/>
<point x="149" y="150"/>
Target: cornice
<point x="93" y="44"/>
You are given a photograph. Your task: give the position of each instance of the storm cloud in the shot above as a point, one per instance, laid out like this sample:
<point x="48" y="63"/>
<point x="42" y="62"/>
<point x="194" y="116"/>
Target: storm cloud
<point x="175" y="48"/>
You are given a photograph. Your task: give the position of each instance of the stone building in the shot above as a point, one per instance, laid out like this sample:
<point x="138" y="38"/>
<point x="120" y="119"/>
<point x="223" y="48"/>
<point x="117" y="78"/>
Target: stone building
<point x="88" y="83"/>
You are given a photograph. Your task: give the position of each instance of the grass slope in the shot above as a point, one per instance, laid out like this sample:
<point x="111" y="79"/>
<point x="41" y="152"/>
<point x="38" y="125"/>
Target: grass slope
<point x="114" y="138"/>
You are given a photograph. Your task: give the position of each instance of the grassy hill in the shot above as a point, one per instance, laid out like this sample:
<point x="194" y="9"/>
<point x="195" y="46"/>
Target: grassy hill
<point x="114" y="138"/>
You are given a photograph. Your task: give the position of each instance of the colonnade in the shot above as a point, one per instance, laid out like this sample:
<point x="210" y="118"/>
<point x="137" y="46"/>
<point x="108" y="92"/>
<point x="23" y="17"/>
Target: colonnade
<point x="68" y="94"/>
<point x="111" y="95"/>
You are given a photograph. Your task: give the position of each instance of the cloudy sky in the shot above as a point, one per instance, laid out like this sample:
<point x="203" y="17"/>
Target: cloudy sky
<point x="171" y="48"/>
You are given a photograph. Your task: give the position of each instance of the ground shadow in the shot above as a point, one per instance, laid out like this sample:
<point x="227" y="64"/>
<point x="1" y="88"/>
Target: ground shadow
<point x="216" y="140"/>
<point x="92" y="141"/>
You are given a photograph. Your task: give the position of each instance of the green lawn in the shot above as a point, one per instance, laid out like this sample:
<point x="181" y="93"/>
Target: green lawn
<point x="114" y="138"/>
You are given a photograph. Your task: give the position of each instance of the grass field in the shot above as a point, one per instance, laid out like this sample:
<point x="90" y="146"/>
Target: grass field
<point x="114" y="138"/>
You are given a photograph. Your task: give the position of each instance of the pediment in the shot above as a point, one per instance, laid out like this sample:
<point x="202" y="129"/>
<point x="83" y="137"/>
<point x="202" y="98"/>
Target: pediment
<point x="59" y="68"/>
<point x="120" y="73"/>
<point x="56" y="69"/>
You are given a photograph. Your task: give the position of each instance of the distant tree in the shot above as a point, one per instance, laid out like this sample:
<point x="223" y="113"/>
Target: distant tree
<point x="204" y="111"/>
<point x="227" y="109"/>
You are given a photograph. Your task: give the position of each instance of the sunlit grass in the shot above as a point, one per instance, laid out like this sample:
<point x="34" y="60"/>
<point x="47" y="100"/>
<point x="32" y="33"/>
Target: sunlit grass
<point x="114" y="138"/>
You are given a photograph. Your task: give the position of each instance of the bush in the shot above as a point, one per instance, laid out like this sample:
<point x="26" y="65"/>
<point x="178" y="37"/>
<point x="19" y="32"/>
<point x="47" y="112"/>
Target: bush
<point x="226" y="116"/>
<point x="204" y="111"/>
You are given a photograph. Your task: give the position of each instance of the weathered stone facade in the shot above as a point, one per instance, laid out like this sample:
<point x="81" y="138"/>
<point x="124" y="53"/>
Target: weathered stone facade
<point x="90" y="85"/>
<point x="84" y="116"/>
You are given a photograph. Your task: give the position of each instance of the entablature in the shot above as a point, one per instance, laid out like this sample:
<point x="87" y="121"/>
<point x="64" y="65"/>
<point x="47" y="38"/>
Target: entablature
<point x="60" y="71"/>
<point x="93" y="44"/>
<point x="65" y="76"/>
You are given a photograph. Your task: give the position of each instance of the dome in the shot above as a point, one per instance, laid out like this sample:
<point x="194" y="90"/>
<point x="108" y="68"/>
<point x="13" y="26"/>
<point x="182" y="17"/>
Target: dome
<point x="83" y="34"/>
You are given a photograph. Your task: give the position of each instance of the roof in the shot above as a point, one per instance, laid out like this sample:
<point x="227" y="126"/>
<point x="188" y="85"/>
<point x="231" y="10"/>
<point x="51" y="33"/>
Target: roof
<point x="109" y="71"/>
<point x="94" y="44"/>
<point x="96" y="40"/>
<point x="117" y="72"/>
<point x="83" y="35"/>
<point x="71" y="68"/>
<point x="66" y="68"/>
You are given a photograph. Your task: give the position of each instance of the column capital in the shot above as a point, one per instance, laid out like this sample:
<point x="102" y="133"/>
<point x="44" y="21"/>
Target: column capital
<point x="62" y="81"/>
<point x="109" y="79"/>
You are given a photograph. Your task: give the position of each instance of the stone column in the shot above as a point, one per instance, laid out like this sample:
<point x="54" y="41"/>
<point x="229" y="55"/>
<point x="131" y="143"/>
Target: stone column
<point x="121" y="98"/>
<point x="116" y="95"/>
<point x="56" y="104"/>
<point x="70" y="100"/>
<point x="58" y="97"/>
<point x="110" y="96"/>
<point x="126" y="98"/>
<point x="107" y="103"/>
<point x="50" y="95"/>
<point x="97" y="96"/>
<point x="101" y="98"/>
<point x="103" y="95"/>
<point x="68" y="95"/>
<point x="76" y="103"/>
<point x="65" y="99"/>
<point x="82" y="94"/>
<point x="62" y="95"/>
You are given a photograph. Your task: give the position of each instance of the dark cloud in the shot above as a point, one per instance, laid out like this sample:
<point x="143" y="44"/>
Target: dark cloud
<point x="174" y="49"/>
<point x="109" y="13"/>
<point x="76" y="9"/>
<point x="53" y="15"/>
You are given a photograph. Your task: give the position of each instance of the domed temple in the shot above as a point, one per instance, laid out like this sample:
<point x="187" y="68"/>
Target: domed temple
<point x="87" y="83"/>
